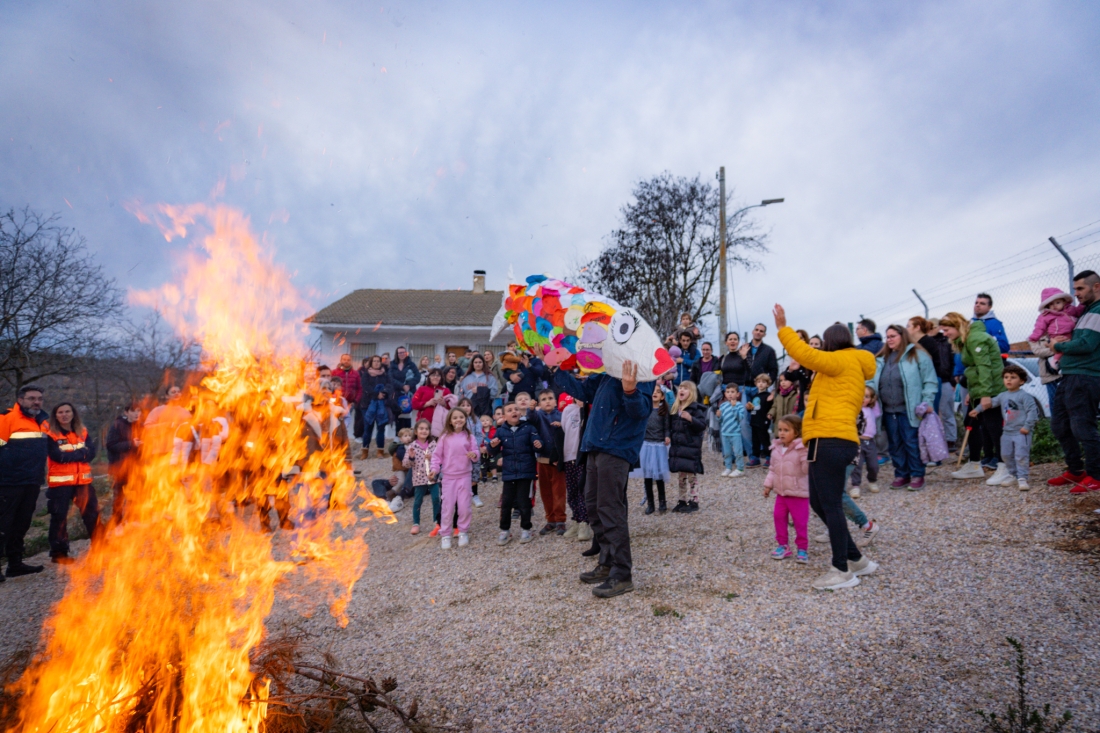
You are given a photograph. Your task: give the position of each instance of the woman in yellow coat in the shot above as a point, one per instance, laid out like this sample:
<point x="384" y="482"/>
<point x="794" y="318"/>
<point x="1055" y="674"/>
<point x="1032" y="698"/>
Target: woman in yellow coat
<point x="829" y="433"/>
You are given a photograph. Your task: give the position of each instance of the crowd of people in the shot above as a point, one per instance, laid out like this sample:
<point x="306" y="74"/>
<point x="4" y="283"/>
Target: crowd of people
<point x="820" y="426"/>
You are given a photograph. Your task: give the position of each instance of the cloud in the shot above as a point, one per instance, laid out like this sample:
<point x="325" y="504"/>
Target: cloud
<point x="405" y="146"/>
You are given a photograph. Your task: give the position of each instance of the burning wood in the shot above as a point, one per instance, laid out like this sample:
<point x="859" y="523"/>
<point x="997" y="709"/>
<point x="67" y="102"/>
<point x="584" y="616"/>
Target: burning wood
<point x="160" y="620"/>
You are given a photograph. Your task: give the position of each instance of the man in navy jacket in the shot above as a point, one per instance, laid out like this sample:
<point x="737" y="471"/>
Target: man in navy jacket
<point x="613" y="440"/>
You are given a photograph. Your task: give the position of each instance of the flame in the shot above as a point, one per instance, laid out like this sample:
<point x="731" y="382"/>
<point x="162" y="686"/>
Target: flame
<point x="158" y="619"/>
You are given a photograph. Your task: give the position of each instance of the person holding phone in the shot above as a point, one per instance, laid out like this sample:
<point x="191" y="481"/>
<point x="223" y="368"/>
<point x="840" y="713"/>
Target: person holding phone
<point x="831" y="439"/>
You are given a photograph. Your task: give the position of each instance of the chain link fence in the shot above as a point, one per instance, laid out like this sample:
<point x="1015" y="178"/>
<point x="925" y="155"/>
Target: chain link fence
<point x="1015" y="283"/>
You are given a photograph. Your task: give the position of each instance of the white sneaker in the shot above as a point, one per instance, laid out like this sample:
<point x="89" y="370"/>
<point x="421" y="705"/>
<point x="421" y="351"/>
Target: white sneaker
<point x="998" y="476"/>
<point x="463" y="539"/>
<point x="736" y="474"/>
<point x="822" y="537"/>
<point x="835" y="580"/>
<point x="446" y="543"/>
<point x="726" y="472"/>
<point x="396" y="504"/>
<point x="872" y="487"/>
<point x="854" y="492"/>
<point x="526" y="537"/>
<point x="1021" y="484"/>
<point x="867" y="534"/>
<point x="504" y="539"/>
<point x="478" y="502"/>
<point x="864" y="566"/>
<point x="1009" y="481"/>
<point x="972" y="469"/>
<point x="584" y="532"/>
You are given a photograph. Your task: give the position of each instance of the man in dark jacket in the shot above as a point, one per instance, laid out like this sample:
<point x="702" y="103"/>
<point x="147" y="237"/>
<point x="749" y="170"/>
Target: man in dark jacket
<point x="530" y="372"/>
<point x="868" y="339"/>
<point x="24" y="445"/>
<point x="1074" y="413"/>
<point x="613" y="440"/>
<point x="122" y="445"/>
<point x="760" y="357"/>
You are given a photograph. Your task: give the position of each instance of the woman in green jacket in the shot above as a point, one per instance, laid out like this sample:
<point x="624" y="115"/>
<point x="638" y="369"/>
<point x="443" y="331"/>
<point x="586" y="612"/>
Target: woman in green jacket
<point x="905" y="378"/>
<point x="984" y="372"/>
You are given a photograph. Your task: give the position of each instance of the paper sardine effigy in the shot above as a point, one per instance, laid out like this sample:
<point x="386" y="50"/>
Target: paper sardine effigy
<point x="571" y="328"/>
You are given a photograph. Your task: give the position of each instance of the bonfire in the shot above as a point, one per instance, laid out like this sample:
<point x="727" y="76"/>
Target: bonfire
<point x="160" y="620"/>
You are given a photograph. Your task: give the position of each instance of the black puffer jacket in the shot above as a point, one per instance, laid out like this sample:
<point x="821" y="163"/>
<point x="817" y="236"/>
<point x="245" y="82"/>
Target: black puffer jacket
<point x="517" y="447"/>
<point x="686" y="452"/>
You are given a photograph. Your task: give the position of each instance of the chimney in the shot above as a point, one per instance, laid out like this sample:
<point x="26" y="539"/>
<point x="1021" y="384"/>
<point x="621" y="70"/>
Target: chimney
<point x="479" y="281"/>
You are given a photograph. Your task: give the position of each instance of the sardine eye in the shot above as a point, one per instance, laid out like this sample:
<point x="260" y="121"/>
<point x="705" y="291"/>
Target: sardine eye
<point x="622" y="326"/>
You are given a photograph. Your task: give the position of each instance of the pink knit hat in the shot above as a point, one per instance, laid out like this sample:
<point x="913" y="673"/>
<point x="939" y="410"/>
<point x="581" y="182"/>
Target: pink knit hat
<point x="1052" y="294"/>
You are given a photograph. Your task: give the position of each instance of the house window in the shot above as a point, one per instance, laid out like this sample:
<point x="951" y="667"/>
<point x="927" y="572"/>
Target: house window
<point x="495" y="348"/>
<point x="418" y="350"/>
<point x="362" y="351"/>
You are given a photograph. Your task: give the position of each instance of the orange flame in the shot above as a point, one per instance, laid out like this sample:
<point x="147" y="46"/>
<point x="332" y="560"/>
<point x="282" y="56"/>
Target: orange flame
<point x="158" y="619"/>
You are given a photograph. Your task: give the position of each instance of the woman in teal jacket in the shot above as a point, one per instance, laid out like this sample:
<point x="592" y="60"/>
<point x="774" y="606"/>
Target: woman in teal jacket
<point x="905" y="378"/>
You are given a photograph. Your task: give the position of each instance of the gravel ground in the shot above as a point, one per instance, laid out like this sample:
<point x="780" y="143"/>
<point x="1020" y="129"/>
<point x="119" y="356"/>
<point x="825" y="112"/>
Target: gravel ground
<point x="507" y="639"/>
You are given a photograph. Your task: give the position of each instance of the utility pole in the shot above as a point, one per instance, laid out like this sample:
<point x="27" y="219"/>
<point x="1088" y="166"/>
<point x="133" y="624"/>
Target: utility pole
<point x="1052" y="241"/>
<point x="723" y="322"/>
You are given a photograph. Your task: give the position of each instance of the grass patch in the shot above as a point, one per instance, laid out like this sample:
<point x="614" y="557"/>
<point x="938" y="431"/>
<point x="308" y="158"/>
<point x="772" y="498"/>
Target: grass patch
<point x="661" y="609"/>
<point x="1019" y="716"/>
<point x="730" y="596"/>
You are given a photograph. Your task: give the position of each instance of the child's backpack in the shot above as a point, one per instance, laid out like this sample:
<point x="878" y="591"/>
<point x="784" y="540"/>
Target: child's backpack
<point x="405" y="403"/>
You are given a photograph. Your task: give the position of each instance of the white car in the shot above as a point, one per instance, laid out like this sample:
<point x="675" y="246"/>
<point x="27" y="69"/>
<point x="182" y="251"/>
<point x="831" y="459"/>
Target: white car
<point x="1033" y="387"/>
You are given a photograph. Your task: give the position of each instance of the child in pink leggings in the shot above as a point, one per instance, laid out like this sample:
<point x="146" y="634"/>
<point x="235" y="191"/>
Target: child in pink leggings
<point x="455" y="454"/>
<point x="788" y="476"/>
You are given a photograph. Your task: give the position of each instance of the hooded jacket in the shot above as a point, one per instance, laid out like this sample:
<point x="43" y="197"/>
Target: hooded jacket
<point x="517" y="448"/>
<point x="995" y="329"/>
<point x="982" y="363"/>
<point x="404" y="374"/>
<point x="789" y="472"/>
<point x="836" y="399"/>
<point x="872" y="343"/>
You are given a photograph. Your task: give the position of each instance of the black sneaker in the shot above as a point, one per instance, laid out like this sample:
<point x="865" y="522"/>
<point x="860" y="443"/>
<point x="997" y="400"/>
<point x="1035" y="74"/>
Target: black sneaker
<point x="649" y="509"/>
<point x="62" y="559"/>
<point x="560" y="529"/>
<point x="14" y="571"/>
<point x="612" y="587"/>
<point x="681" y="507"/>
<point x="550" y="527"/>
<point x="592" y="551"/>
<point x="662" y="507"/>
<point x="693" y="506"/>
<point x="599" y="575"/>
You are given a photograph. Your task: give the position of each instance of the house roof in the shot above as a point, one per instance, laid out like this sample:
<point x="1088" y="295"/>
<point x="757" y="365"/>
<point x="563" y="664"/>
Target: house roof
<point x="412" y="308"/>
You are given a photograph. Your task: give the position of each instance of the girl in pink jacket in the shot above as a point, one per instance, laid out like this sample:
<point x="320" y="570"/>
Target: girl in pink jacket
<point x="455" y="453"/>
<point x="1057" y="317"/>
<point x="788" y="476"/>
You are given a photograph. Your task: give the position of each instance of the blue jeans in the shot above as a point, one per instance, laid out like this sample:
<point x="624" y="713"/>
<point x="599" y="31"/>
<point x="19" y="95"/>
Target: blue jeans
<point x="904" y="445"/>
<point x="746" y="427"/>
<point x="418" y="499"/>
<point x="380" y="438"/>
<point x="732" y="451"/>
<point x="851" y="509"/>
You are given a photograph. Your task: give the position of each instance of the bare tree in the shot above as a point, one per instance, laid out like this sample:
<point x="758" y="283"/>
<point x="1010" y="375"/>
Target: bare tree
<point x="57" y="308"/>
<point x="153" y="354"/>
<point x="663" y="260"/>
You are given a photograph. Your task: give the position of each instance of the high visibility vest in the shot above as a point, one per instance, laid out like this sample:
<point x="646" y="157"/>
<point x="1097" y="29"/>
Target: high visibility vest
<point x="69" y="474"/>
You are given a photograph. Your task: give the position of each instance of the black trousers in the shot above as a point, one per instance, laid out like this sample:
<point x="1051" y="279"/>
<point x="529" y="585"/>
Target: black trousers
<point x="515" y="495"/>
<point x="16" y="511"/>
<point x="985" y="436"/>
<point x="58" y="501"/>
<point x="649" y="491"/>
<point x="761" y="440"/>
<point x="605" y="499"/>
<point x="1073" y="421"/>
<point x="830" y="460"/>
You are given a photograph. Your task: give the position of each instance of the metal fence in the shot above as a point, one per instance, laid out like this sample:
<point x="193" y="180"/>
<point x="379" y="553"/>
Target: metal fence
<point x="1015" y="283"/>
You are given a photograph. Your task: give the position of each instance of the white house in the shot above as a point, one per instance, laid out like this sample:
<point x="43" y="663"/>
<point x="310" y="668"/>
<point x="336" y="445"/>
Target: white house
<point x="426" y="322"/>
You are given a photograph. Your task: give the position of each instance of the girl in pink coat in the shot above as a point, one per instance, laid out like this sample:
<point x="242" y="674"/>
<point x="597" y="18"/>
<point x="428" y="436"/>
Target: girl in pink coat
<point x="788" y="476"/>
<point x="455" y="453"/>
<point x="1057" y="317"/>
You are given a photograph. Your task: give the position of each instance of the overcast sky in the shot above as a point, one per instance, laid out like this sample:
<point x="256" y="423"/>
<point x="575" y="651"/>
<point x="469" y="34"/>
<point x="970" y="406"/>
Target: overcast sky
<point x="404" y="146"/>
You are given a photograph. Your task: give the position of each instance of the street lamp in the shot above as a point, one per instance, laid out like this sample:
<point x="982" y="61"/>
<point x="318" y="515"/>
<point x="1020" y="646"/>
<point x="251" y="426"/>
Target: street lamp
<point x="723" y="323"/>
